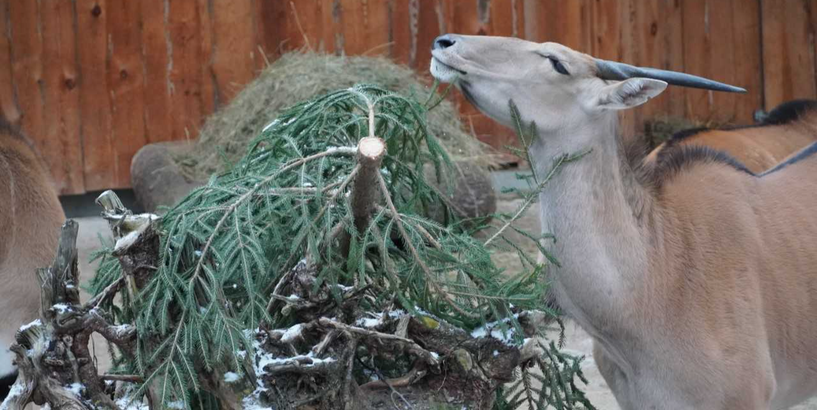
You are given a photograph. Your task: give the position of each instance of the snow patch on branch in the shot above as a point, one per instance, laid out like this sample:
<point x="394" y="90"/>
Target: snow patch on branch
<point x="292" y="333"/>
<point x="263" y="359"/>
<point x="36" y="322"/>
<point x="127" y="240"/>
<point x="377" y="320"/>
<point x="61" y="308"/>
<point x="231" y="377"/>
<point x="495" y="330"/>
<point x="76" y="389"/>
<point x="127" y="403"/>
<point x="341" y="150"/>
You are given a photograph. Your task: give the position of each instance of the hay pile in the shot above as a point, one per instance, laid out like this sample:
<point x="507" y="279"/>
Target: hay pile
<point x="300" y="75"/>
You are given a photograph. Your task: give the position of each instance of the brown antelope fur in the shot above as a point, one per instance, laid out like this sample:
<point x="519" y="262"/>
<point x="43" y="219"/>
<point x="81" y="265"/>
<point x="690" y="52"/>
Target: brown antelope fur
<point x="30" y="220"/>
<point x="788" y="128"/>
<point x="695" y="277"/>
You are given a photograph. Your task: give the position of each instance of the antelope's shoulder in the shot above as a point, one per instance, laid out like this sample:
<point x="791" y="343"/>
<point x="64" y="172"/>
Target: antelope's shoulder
<point x="675" y="161"/>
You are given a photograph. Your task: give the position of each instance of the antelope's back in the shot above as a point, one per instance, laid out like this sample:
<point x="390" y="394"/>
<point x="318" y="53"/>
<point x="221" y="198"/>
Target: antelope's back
<point x="788" y="228"/>
<point x="30" y="220"/>
<point x="788" y="128"/>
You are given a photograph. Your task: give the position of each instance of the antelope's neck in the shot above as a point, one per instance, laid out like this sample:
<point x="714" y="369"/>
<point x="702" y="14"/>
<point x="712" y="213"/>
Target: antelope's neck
<point x="599" y="214"/>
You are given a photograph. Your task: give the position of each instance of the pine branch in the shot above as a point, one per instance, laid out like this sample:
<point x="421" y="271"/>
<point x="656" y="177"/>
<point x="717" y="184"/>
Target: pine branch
<point x="429" y="276"/>
<point x="248" y="194"/>
<point x="202" y="286"/>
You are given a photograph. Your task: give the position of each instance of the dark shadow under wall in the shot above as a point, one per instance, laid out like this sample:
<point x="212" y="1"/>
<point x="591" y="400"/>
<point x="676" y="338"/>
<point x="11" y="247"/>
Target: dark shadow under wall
<point x="83" y="205"/>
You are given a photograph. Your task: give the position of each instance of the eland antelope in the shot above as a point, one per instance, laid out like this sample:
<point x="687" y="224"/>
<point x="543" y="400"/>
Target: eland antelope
<point x="30" y="220"/>
<point x="695" y="277"/>
<point x="787" y="128"/>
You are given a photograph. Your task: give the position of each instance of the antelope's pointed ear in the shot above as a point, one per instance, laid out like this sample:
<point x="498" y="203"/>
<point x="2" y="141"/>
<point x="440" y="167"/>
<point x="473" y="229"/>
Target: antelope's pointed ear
<point x="629" y="93"/>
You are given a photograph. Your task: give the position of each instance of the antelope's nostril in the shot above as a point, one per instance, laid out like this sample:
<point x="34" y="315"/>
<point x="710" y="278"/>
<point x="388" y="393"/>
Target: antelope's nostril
<point x="443" y="41"/>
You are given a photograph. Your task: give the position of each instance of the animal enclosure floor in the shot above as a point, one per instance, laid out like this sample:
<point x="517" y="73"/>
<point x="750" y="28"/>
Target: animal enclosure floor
<point x="578" y="342"/>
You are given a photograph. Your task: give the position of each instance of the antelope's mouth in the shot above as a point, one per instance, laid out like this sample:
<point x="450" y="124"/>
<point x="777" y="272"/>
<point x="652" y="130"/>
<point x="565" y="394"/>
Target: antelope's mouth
<point x="444" y="72"/>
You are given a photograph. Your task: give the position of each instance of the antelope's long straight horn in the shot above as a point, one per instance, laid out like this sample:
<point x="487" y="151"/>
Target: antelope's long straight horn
<point x="610" y="70"/>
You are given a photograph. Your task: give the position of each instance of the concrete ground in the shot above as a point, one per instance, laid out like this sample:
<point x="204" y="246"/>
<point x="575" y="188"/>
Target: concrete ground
<point x="85" y="212"/>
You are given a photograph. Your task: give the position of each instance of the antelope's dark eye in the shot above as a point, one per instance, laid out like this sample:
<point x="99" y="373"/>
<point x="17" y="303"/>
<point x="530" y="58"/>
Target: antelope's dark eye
<point x="557" y="65"/>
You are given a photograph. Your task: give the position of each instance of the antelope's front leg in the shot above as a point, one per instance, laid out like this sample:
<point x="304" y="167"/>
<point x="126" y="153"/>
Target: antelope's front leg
<point x="613" y="376"/>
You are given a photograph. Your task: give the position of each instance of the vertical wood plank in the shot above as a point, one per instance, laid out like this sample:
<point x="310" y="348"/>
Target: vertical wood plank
<point x="8" y="100"/>
<point x="503" y="18"/>
<point x="404" y="28"/>
<point x="186" y="74"/>
<point x="658" y="41"/>
<point x="747" y="60"/>
<point x="305" y="25"/>
<point x="464" y="18"/>
<point x="612" y="32"/>
<point x="568" y="23"/>
<point x="519" y="18"/>
<point x="461" y="17"/>
<point x="126" y="84"/>
<point x="60" y="144"/>
<point x="329" y="27"/>
<point x="206" y="83"/>
<point x="27" y="66"/>
<point x="713" y="49"/>
<point x="671" y="51"/>
<point x="788" y="52"/>
<point x="428" y="28"/>
<point x="158" y="109"/>
<point x="273" y="26"/>
<point x="95" y="108"/>
<point x="234" y="47"/>
<point x="365" y="27"/>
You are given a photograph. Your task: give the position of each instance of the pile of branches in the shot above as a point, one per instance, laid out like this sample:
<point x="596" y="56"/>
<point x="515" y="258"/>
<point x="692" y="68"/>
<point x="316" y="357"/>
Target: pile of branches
<point x="308" y="276"/>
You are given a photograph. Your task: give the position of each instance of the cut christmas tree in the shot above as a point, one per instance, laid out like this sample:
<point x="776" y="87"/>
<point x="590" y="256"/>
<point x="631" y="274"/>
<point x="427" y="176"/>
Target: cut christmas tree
<point x="310" y="275"/>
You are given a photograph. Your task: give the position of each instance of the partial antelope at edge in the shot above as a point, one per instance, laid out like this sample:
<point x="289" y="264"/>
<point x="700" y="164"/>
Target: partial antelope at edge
<point x="695" y="275"/>
<point x="788" y="128"/>
<point x="30" y="220"/>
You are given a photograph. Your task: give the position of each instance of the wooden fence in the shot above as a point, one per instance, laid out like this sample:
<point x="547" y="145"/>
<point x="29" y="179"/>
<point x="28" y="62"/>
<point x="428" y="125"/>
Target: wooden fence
<point x="92" y="81"/>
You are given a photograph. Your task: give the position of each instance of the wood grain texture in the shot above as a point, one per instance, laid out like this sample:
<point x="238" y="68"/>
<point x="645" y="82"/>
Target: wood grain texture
<point x="159" y="112"/>
<point x="305" y="25"/>
<point x="233" y="46"/>
<point x="186" y="58"/>
<point x="8" y="99"/>
<point x="61" y="97"/>
<point x="91" y="81"/>
<point x="788" y="51"/>
<point x="612" y="30"/>
<point x="745" y="47"/>
<point x="273" y="21"/>
<point x="27" y="68"/>
<point x="403" y="33"/>
<point x="365" y="22"/>
<point x="659" y="44"/>
<point x="566" y="22"/>
<point x="429" y="26"/>
<point x="125" y="87"/>
<point x="722" y="42"/>
<point x="95" y="108"/>
<point x="206" y="84"/>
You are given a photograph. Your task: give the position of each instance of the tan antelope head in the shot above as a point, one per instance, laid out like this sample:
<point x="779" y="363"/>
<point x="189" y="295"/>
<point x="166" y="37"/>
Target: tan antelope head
<point x="696" y="277"/>
<point x="30" y="220"/>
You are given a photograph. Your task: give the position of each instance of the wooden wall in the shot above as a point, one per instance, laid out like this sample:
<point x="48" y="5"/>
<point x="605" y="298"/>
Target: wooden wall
<point x="91" y="81"/>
